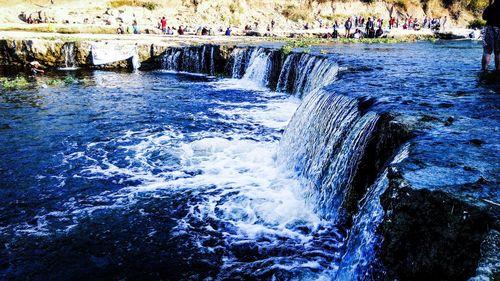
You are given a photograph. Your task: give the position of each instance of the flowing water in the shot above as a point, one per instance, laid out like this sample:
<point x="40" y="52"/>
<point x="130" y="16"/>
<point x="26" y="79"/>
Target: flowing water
<point x="69" y="57"/>
<point x="179" y="176"/>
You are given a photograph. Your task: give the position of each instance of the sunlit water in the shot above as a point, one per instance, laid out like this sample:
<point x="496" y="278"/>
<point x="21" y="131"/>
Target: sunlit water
<point x="156" y="175"/>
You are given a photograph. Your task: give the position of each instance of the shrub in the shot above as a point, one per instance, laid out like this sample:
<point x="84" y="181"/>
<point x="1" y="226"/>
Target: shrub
<point x="295" y="13"/>
<point x="234" y="21"/>
<point x="120" y="3"/>
<point x="402" y="4"/>
<point x="150" y="5"/>
<point x="286" y="49"/>
<point x="134" y="3"/>
<point x="477" y="23"/>
<point x="233" y="7"/>
<point x="477" y="6"/>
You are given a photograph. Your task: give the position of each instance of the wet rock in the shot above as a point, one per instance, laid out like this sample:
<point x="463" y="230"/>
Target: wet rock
<point x="449" y="121"/>
<point x="468" y="168"/>
<point x="428" y="118"/>
<point x="489" y="264"/>
<point x="431" y="234"/>
<point x="476" y="142"/>
<point x="445" y="105"/>
<point x="387" y="137"/>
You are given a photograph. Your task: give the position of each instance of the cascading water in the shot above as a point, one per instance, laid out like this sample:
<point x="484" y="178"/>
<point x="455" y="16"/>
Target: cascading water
<point x="363" y="240"/>
<point x="259" y="67"/>
<point x="303" y="73"/>
<point x="190" y="59"/>
<point x="241" y="57"/>
<point x="323" y="143"/>
<point x="69" y="56"/>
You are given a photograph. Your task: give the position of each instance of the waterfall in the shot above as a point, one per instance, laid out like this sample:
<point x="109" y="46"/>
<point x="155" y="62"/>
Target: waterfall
<point x="69" y="56"/>
<point x="363" y="240"/>
<point x="212" y="62"/>
<point x="323" y="144"/>
<point x="328" y="144"/>
<point x="259" y="67"/>
<point x="241" y="57"/>
<point x="303" y="73"/>
<point x="199" y="59"/>
<point x="171" y="60"/>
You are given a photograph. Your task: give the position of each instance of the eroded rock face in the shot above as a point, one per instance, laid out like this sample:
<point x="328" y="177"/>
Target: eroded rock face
<point x="20" y="52"/>
<point x="51" y="53"/>
<point x="431" y="234"/>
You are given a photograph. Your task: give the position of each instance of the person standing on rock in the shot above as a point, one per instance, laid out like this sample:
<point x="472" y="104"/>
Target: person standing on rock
<point x="135" y="27"/>
<point x="443" y="26"/>
<point x="491" y="38"/>
<point x="163" y="25"/>
<point x="348" y="26"/>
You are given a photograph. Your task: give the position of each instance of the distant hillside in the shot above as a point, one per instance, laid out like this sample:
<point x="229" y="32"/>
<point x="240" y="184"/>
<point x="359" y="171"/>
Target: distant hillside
<point x="288" y="14"/>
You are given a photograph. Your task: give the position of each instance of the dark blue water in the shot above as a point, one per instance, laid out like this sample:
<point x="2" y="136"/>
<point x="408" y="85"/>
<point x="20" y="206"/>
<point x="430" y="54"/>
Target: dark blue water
<point x="152" y="175"/>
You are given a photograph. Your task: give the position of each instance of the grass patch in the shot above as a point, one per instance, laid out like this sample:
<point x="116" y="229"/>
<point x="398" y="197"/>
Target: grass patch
<point x="305" y="43"/>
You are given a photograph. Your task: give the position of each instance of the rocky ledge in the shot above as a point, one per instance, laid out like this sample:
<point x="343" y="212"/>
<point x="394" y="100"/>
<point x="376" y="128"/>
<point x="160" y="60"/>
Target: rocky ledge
<point x="440" y="233"/>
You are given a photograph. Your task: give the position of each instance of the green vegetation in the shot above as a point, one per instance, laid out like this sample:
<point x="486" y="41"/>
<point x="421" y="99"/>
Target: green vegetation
<point x="477" y="23"/>
<point x="476" y="6"/>
<point x="121" y="3"/>
<point x="18" y="83"/>
<point x="286" y="49"/>
<point x="236" y="7"/>
<point x="291" y="43"/>
<point x="402" y="4"/>
<point x="21" y="83"/>
<point x="70" y="79"/>
<point x="150" y="5"/>
<point x="296" y="13"/>
<point x="134" y="3"/>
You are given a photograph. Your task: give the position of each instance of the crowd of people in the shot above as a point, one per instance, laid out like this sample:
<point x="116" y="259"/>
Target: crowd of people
<point x="359" y="27"/>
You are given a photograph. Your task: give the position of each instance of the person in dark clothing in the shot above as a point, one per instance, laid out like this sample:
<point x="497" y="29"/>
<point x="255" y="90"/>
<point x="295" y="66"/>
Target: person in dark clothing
<point x="491" y="38"/>
<point x="180" y="31"/>
<point x="335" y="33"/>
<point x="369" y="26"/>
<point x="379" y="32"/>
<point x="348" y="25"/>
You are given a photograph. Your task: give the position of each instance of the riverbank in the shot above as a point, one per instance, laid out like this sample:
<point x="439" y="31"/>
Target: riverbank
<point x="19" y="48"/>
